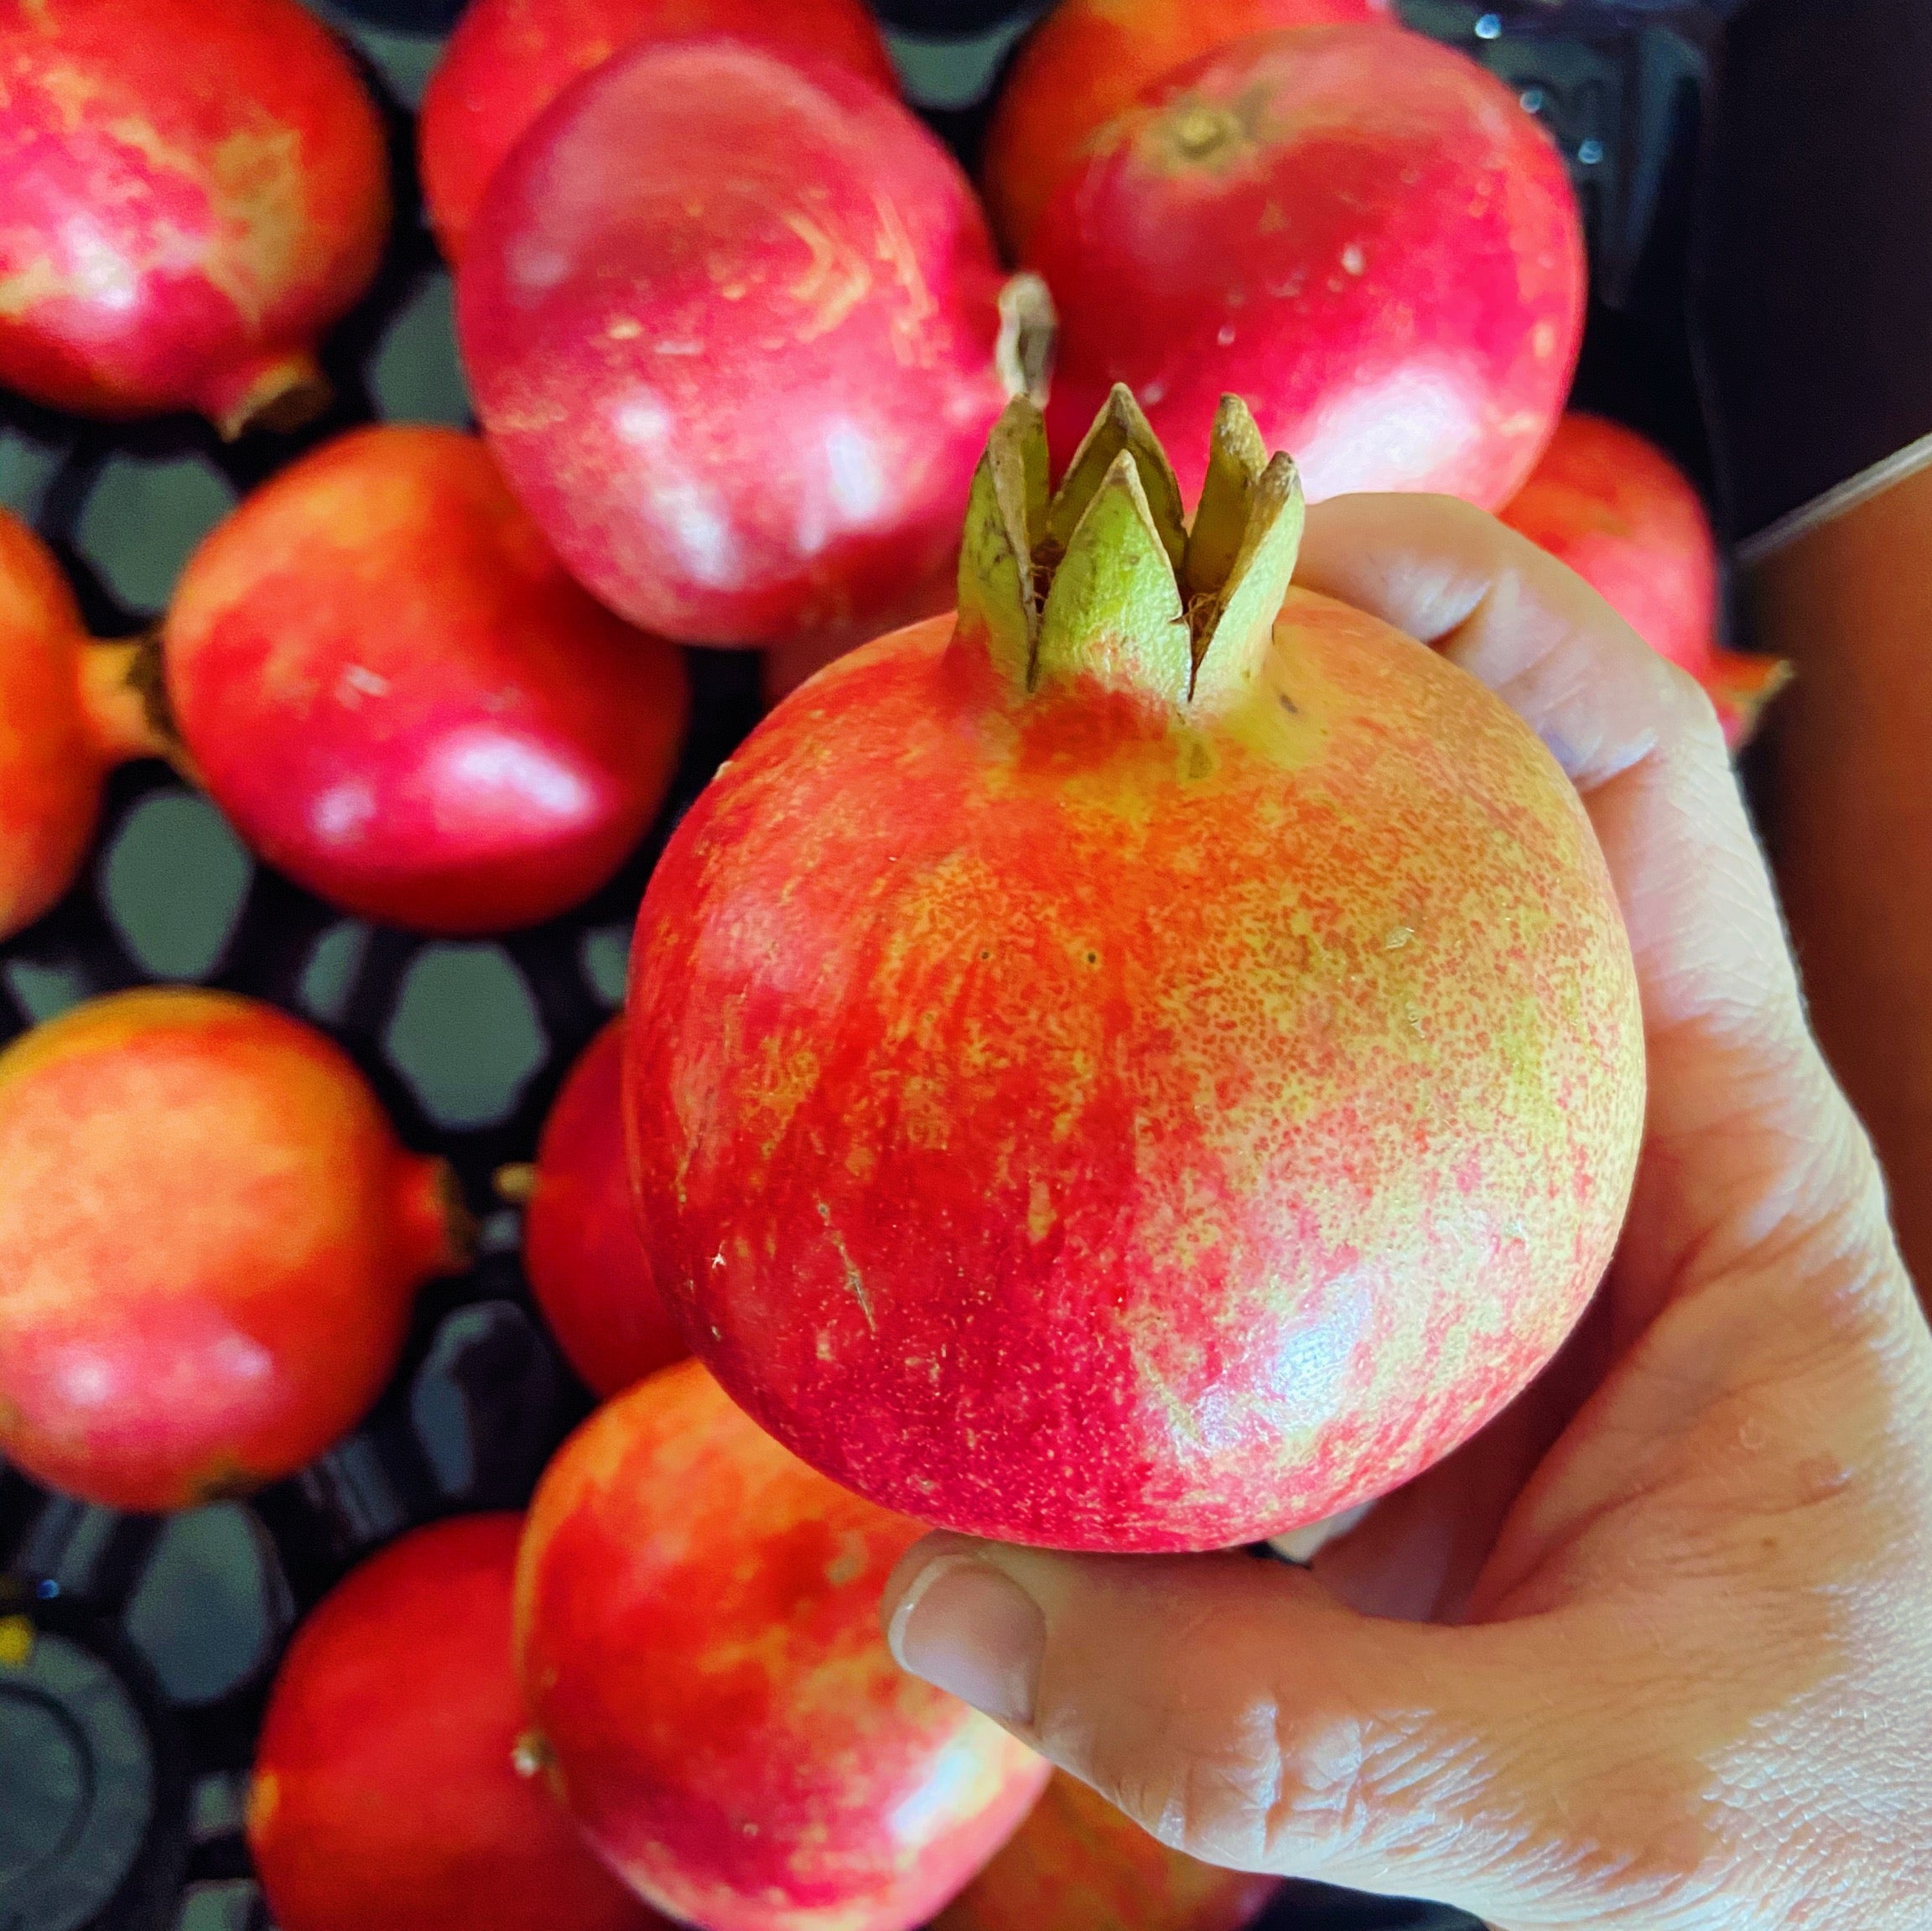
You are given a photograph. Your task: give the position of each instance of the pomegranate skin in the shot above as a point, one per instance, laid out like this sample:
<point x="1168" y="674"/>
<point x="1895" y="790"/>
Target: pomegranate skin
<point x="190" y="195"/>
<point x="1616" y="508"/>
<point x="1078" y="1127"/>
<point x="209" y="1240"/>
<point x="732" y="327"/>
<point x="1357" y="230"/>
<point x="1087" y="60"/>
<point x="385" y="1790"/>
<point x="698" y="1640"/>
<point x="1077" y="1864"/>
<point x="581" y="1250"/>
<point x="386" y="681"/>
<point x="508" y="59"/>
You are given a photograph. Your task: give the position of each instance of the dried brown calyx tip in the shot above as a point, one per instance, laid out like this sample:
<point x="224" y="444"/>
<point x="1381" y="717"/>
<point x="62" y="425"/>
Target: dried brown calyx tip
<point x="1103" y="579"/>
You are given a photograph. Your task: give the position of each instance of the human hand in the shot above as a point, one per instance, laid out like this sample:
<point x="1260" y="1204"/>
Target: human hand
<point x="1655" y="1648"/>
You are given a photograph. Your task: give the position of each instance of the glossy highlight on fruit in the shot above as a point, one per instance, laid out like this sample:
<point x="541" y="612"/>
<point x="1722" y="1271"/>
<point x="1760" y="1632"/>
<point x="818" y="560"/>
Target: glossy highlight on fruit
<point x="1616" y="508"/>
<point x="209" y="1241"/>
<point x="1086" y="60"/>
<point x="508" y="59"/>
<point x="387" y="1787"/>
<point x="698" y="1640"/>
<point x="1359" y="231"/>
<point x="736" y="330"/>
<point x="386" y="681"/>
<point x="190" y="195"/>
<point x="1147" y="1065"/>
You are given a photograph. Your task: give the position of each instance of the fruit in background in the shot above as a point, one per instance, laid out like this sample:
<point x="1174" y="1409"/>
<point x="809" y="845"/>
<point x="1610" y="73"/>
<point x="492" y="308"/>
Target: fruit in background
<point x="734" y="328"/>
<point x="581" y="1250"/>
<point x="190" y="195"/>
<point x="1077" y="1864"/>
<point x="68" y="714"/>
<point x="1087" y="60"/>
<point x="386" y="1790"/>
<point x="1620" y="513"/>
<point x="508" y="59"/>
<point x="1357" y="230"/>
<point x="209" y="1240"/>
<point x="1132" y="1071"/>
<point x="386" y="681"/>
<point x="698" y="1640"/>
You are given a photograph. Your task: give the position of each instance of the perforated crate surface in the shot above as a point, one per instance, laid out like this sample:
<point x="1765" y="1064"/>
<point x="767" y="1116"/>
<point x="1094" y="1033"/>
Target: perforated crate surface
<point x="125" y="1736"/>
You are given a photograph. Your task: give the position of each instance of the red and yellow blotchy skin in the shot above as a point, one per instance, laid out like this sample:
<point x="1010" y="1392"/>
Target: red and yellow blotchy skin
<point x="1355" y="228"/>
<point x="581" y="1249"/>
<point x="1077" y="1864"/>
<point x="1610" y="503"/>
<point x="1076" y="1110"/>
<point x="68" y="714"/>
<point x="190" y="193"/>
<point x="209" y="1240"/>
<point x="698" y="1640"/>
<point x="508" y="59"/>
<point x="733" y="326"/>
<point x="386" y="679"/>
<point x="386" y="1789"/>
<point x="1088" y="59"/>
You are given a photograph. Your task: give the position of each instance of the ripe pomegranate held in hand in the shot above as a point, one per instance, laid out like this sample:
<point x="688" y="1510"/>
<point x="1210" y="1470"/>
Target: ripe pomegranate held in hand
<point x="508" y="59"/>
<point x="1145" y="1067"/>
<point x="209" y="1240"/>
<point x="1086" y="60"/>
<point x="736" y="330"/>
<point x="698" y="1640"/>
<point x="190" y="193"/>
<point x="385" y="680"/>
<point x="1357" y="230"/>
<point x="387" y="1787"/>
<point x="1626" y="519"/>
<point x="581" y="1250"/>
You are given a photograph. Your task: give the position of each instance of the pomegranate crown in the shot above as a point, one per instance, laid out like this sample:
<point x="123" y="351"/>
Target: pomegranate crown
<point x="1103" y="577"/>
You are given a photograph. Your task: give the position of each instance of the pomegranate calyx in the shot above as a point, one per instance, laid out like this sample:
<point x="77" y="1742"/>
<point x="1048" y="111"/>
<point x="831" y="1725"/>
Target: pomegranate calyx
<point x="1740" y="684"/>
<point x="1120" y="427"/>
<point x="1029" y="326"/>
<point x="124" y="698"/>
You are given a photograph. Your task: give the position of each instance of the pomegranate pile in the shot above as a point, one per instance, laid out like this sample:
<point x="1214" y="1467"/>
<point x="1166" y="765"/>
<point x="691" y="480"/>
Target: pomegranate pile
<point x="1128" y="1055"/>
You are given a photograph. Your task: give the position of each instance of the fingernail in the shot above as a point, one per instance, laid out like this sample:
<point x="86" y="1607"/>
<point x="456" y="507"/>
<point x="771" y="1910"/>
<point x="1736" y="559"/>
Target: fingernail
<point x="969" y="1629"/>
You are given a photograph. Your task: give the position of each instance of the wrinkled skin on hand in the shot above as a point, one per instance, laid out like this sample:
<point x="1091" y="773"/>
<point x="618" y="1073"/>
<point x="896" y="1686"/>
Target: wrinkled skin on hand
<point x="1652" y="1652"/>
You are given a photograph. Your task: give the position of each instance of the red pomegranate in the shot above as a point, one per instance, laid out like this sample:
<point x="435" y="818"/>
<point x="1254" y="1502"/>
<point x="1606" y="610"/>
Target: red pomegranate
<point x="698" y="1640"/>
<point x="1357" y="230"/>
<point x="508" y="59"/>
<point x="1131" y="1070"/>
<point x="386" y="681"/>
<point x="1622" y="515"/>
<point x="587" y="1266"/>
<point x="1077" y="1864"/>
<point x="69" y="710"/>
<point x="386" y="1790"/>
<point x="1088" y="59"/>
<point x="734" y="328"/>
<point x="190" y="193"/>
<point x="208" y="1240"/>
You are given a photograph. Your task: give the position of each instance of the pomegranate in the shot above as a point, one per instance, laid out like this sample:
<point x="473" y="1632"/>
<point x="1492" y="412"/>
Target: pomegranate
<point x="508" y="59"/>
<point x="69" y="709"/>
<point x="734" y="328"/>
<point x="189" y="195"/>
<point x="1088" y="59"/>
<point x="1620" y="513"/>
<point x="386" y="681"/>
<point x="697" y="1638"/>
<point x="586" y="1264"/>
<point x="1077" y="1864"/>
<point x="386" y="1789"/>
<point x="1131" y="1070"/>
<point x="209" y="1239"/>
<point x="1359" y="231"/>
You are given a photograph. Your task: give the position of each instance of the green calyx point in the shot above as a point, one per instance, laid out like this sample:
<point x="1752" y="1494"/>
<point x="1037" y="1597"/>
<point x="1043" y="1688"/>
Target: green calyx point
<point x="1102" y="578"/>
